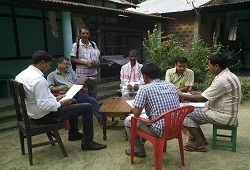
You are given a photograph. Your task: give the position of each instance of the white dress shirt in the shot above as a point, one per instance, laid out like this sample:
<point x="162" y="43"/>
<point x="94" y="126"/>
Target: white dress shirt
<point x="38" y="98"/>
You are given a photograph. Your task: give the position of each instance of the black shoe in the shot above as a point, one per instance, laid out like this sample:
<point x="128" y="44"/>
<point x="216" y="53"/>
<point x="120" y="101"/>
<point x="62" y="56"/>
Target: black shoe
<point x="75" y="136"/>
<point x="93" y="146"/>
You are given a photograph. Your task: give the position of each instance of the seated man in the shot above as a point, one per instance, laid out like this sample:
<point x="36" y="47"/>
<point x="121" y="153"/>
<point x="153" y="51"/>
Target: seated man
<point x="180" y="75"/>
<point x="130" y="75"/>
<point x="62" y="79"/>
<point x="183" y="79"/>
<point x="151" y="97"/>
<point x="44" y="108"/>
<point x="222" y="97"/>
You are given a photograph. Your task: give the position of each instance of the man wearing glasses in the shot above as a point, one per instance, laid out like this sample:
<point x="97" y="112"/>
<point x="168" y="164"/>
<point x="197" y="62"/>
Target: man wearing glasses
<point x="62" y="79"/>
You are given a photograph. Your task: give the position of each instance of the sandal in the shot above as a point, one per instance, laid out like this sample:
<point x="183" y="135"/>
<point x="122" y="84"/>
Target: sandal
<point x="191" y="148"/>
<point x="136" y="154"/>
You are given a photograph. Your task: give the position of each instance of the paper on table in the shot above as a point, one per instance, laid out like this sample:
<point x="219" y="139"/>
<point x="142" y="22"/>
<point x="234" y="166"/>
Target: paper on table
<point x="143" y="112"/>
<point x="195" y="104"/>
<point x="71" y="92"/>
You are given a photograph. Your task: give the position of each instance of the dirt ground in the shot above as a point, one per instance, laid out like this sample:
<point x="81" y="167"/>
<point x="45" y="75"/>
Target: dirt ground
<point x="113" y="158"/>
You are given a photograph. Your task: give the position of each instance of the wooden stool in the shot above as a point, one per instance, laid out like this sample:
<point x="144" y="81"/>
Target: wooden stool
<point x="232" y="144"/>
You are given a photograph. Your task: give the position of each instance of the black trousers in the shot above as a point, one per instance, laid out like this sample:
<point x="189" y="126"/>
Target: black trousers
<point x="72" y="112"/>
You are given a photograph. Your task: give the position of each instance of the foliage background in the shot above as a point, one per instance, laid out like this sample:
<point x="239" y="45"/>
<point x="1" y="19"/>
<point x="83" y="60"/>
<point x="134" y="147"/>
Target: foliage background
<point x="164" y="50"/>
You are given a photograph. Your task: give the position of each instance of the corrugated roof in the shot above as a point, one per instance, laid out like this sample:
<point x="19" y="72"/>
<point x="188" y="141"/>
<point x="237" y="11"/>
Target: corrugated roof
<point x="93" y="8"/>
<point x="124" y="2"/>
<point x="166" y="6"/>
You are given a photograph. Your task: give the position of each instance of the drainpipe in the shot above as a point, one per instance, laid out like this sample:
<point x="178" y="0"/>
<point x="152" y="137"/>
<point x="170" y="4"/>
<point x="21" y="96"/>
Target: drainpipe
<point x="67" y="34"/>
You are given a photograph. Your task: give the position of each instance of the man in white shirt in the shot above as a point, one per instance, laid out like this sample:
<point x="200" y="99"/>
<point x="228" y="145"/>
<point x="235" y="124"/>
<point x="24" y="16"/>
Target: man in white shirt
<point x="44" y="108"/>
<point x="130" y="75"/>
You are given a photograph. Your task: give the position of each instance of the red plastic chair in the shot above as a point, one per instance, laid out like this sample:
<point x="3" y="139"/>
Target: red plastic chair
<point x="173" y="124"/>
<point x="66" y="122"/>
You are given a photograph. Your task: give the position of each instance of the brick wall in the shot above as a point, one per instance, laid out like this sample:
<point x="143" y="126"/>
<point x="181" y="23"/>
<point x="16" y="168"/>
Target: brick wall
<point x="185" y="26"/>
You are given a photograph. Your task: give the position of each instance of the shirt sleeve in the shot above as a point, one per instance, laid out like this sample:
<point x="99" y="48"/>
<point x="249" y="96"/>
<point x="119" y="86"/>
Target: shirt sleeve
<point x="214" y="91"/>
<point x="51" y="81"/>
<point x="73" y="51"/>
<point x="123" y="83"/>
<point x="44" y="98"/>
<point x="140" y="99"/>
<point x="190" y="79"/>
<point x="167" y="76"/>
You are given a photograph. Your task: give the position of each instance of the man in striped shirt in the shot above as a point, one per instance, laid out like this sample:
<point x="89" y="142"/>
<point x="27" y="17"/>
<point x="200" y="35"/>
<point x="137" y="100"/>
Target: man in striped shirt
<point x="222" y="100"/>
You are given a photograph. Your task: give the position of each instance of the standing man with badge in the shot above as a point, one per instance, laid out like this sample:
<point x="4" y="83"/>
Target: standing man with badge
<point x="85" y="55"/>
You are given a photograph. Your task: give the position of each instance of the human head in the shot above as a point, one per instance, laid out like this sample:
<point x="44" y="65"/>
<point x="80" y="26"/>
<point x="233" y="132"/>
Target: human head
<point x="180" y="64"/>
<point x="42" y="60"/>
<point x="132" y="54"/>
<point x="63" y="63"/>
<point x="84" y="34"/>
<point x="217" y="63"/>
<point x="150" y="71"/>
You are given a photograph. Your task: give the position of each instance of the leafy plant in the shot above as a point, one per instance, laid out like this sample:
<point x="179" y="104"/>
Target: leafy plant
<point x="245" y="89"/>
<point x="163" y="51"/>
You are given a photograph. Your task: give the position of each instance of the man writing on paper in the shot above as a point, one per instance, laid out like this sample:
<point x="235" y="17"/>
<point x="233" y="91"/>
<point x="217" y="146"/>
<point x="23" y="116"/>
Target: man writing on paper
<point x="130" y="75"/>
<point x="44" y="108"/>
<point x="222" y="97"/>
<point x="180" y="75"/>
<point x="62" y="79"/>
<point x="183" y="79"/>
<point x="156" y="97"/>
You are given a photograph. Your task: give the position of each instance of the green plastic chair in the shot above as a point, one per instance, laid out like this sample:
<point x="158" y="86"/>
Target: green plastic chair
<point x="223" y="144"/>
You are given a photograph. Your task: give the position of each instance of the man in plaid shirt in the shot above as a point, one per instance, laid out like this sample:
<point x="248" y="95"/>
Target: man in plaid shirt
<point x="85" y="55"/>
<point x="157" y="97"/>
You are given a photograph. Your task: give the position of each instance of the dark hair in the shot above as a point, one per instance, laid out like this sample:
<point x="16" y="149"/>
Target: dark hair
<point x="220" y="59"/>
<point x="61" y="59"/>
<point x="83" y="28"/>
<point x="133" y="51"/>
<point x="151" y="70"/>
<point x="180" y="60"/>
<point x="41" y="55"/>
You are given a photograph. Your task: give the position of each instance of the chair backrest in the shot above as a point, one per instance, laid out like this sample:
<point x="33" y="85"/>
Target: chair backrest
<point x="173" y="121"/>
<point x="19" y="101"/>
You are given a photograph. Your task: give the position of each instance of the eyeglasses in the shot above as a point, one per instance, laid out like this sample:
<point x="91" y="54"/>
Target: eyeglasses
<point x="67" y="64"/>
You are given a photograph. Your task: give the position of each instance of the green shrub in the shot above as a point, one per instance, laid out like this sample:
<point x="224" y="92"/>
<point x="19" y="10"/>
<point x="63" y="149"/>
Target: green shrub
<point x="163" y="53"/>
<point x="245" y="89"/>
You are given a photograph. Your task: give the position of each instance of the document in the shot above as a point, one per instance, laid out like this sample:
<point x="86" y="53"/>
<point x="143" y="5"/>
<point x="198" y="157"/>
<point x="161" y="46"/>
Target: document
<point x="81" y="80"/>
<point x="72" y="91"/>
<point x="195" y="104"/>
<point x="143" y="113"/>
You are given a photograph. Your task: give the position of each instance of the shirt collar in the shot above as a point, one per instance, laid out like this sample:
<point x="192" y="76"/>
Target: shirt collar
<point x="184" y="73"/>
<point x="58" y="72"/>
<point x="36" y="70"/>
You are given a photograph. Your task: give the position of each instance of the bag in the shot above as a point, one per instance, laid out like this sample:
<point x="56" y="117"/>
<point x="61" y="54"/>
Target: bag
<point x="77" y="52"/>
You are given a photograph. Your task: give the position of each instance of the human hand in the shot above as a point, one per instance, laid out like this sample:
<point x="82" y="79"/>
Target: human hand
<point x="130" y="87"/>
<point x="89" y="65"/>
<point x="66" y="102"/>
<point x="63" y="88"/>
<point x="136" y="87"/>
<point x="88" y="79"/>
<point x="59" y="97"/>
